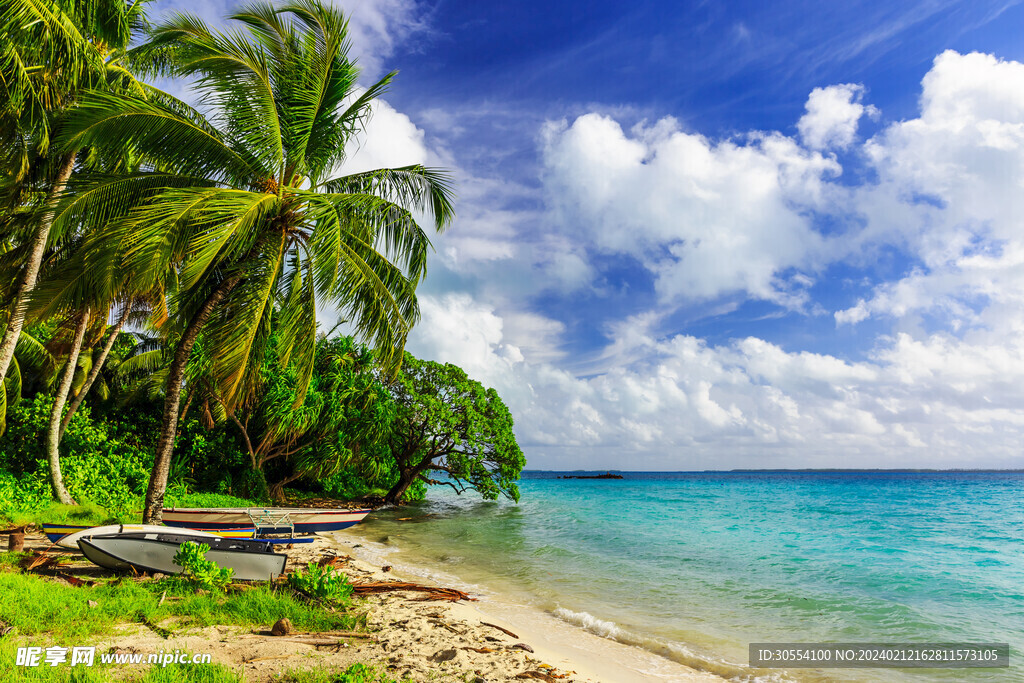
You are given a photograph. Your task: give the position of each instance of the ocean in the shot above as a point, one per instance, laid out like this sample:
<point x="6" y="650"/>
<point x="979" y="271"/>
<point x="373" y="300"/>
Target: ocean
<point x="695" y="566"/>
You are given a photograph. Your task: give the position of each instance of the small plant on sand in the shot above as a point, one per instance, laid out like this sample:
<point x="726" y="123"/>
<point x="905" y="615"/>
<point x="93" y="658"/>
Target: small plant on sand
<point x="203" y="572"/>
<point x="324" y="583"/>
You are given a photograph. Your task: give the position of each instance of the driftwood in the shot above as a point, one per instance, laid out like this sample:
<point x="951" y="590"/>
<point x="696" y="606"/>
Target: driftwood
<point x="503" y="630"/>
<point x="433" y="592"/>
<point x="317" y="634"/>
<point x="37" y="561"/>
<point x="538" y="675"/>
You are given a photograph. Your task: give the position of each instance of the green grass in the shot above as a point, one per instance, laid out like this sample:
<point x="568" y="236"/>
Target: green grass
<point x="103" y="673"/>
<point x="36" y="606"/>
<point x="357" y="673"/>
<point x="94" y="515"/>
<point x="85" y="515"/>
<point x="209" y="500"/>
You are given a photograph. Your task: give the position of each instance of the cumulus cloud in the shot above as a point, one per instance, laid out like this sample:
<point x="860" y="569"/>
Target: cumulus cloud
<point x="832" y="116"/>
<point x="951" y="188"/>
<point x="706" y="218"/>
<point x="709" y="217"/>
<point x="390" y="139"/>
<point x="749" y="403"/>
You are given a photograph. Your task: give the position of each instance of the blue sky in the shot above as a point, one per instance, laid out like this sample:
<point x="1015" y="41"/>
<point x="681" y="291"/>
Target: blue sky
<point x="714" y="235"/>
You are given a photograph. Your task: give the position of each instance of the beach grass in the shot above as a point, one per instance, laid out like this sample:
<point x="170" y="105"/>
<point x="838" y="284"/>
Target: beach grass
<point x="35" y="606"/>
<point x="103" y="673"/>
<point x="357" y="673"/>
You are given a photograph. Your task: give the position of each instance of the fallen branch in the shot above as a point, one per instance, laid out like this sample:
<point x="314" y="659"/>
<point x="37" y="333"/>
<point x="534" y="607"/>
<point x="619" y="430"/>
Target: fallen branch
<point x="336" y="634"/>
<point x="164" y="633"/>
<point x="434" y="592"/>
<point x="503" y="630"/>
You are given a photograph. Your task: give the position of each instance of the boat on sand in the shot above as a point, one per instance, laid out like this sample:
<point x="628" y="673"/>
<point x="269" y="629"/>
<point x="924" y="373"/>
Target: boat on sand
<point x="71" y="540"/>
<point x="154" y="552"/>
<point x="55" y="532"/>
<point x="265" y="520"/>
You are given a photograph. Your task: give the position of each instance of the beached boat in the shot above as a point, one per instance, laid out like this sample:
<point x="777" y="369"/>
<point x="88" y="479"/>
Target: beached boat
<point x="266" y="520"/>
<point x="57" y="533"/>
<point x="154" y="552"/>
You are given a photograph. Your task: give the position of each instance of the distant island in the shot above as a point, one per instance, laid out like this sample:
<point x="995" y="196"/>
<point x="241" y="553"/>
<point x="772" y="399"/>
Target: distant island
<point x="606" y="475"/>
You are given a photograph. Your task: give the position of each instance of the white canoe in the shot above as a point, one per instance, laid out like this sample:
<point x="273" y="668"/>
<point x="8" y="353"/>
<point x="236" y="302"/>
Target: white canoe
<point x="266" y="520"/>
<point x="71" y="540"/>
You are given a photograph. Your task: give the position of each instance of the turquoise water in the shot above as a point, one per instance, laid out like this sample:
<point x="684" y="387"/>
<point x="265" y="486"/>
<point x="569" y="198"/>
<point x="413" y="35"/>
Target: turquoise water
<point x="696" y="566"/>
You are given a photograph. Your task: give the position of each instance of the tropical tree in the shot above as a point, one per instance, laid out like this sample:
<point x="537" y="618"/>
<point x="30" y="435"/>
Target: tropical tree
<point x="450" y="424"/>
<point x="345" y="411"/>
<point x="243" y="211"/>
<point x="50" y="52"/>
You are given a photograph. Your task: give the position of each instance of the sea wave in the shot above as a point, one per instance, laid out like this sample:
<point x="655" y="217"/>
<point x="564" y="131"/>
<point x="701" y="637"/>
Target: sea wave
<point x="673" y="651"/>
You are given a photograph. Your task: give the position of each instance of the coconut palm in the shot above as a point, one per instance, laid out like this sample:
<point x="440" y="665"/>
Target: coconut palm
<point x="245" y="210"/>
<point x="50" y="51"/>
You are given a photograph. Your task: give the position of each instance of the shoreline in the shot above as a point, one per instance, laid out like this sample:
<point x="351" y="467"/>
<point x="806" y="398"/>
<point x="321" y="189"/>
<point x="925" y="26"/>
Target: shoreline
<point x="411" y="638"/>
<point x="568" y="647"/>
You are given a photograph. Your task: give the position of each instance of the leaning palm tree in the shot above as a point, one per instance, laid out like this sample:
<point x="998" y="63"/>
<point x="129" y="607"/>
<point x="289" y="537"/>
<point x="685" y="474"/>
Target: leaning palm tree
<point x="246" y="210"/>
<point x="50" y="51"/>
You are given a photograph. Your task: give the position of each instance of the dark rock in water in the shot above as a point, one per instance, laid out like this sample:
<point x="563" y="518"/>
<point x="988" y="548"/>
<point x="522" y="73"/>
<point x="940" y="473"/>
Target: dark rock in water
<point x="386" y="568"/>
<point x="282" y="628"/>
<point x="607" y="475"/>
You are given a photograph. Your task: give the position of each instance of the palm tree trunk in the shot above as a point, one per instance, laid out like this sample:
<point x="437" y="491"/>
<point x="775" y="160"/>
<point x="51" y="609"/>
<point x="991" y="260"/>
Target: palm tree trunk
<point x="153" y="510"/>
<point x="53" y="430"/>
<point x="35" y="258"/>
<point x="95" y="372"/>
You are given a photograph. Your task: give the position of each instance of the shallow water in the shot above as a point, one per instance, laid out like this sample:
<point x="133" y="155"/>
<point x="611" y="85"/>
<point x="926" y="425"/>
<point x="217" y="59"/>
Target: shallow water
<point x="695" y="566"/>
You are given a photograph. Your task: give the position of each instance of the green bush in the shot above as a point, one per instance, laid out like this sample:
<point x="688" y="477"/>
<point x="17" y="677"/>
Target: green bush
<point x="203" y="573"/>
<point x="324" y="583"/>
<point x="96" y="467"/>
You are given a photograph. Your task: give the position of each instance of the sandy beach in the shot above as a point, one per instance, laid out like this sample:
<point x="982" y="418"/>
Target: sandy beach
<point x="414" y="638"/>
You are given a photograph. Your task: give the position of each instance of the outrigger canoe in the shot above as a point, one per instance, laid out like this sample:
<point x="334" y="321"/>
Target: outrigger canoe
<point x="60" y="533"/>
<point x="266" y="520"/>
<point x="154" y="552"/>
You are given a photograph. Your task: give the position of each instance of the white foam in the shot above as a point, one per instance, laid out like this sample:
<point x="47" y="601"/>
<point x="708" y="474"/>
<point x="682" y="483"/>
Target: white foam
<point x="587" y="621"/>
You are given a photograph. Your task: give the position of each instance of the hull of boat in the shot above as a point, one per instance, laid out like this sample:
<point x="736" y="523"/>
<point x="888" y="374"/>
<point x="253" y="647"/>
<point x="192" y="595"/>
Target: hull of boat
<point x="269" y="521"/>
<point x="56" y="532"/>
<point x="71" y="540"/>
<point x="147" y="552"/>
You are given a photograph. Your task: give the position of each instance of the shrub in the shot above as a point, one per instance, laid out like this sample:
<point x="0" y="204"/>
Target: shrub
<point x="203" y="572"/>
<point x="324" y="583"/>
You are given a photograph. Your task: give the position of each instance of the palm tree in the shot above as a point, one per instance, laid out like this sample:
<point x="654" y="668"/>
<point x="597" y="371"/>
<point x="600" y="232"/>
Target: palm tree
<point x="50" y="51"/>
<point x="241" y="212"/>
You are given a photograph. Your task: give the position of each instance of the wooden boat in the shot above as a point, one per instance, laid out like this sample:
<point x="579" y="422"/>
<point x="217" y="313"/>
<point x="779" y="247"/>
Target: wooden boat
<point x="71" y="540"/>
<point x="266" y="520"/>
<point x="55" y="532"/>
<point x="154" y="552"/>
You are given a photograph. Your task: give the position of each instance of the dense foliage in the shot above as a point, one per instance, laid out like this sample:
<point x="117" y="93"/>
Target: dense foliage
<point x="215" y="236"/>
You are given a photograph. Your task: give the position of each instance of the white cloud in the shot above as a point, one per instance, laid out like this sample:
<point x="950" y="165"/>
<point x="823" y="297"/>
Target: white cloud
<point x="683" y="403"/>
<point x="712" y="217"/>
<point x="706" y="218"/>
<point x="832" y="116"/>
<point x="951" y="188"/>
<point x="390" y="139"/>
<point x="376" y="27"/>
